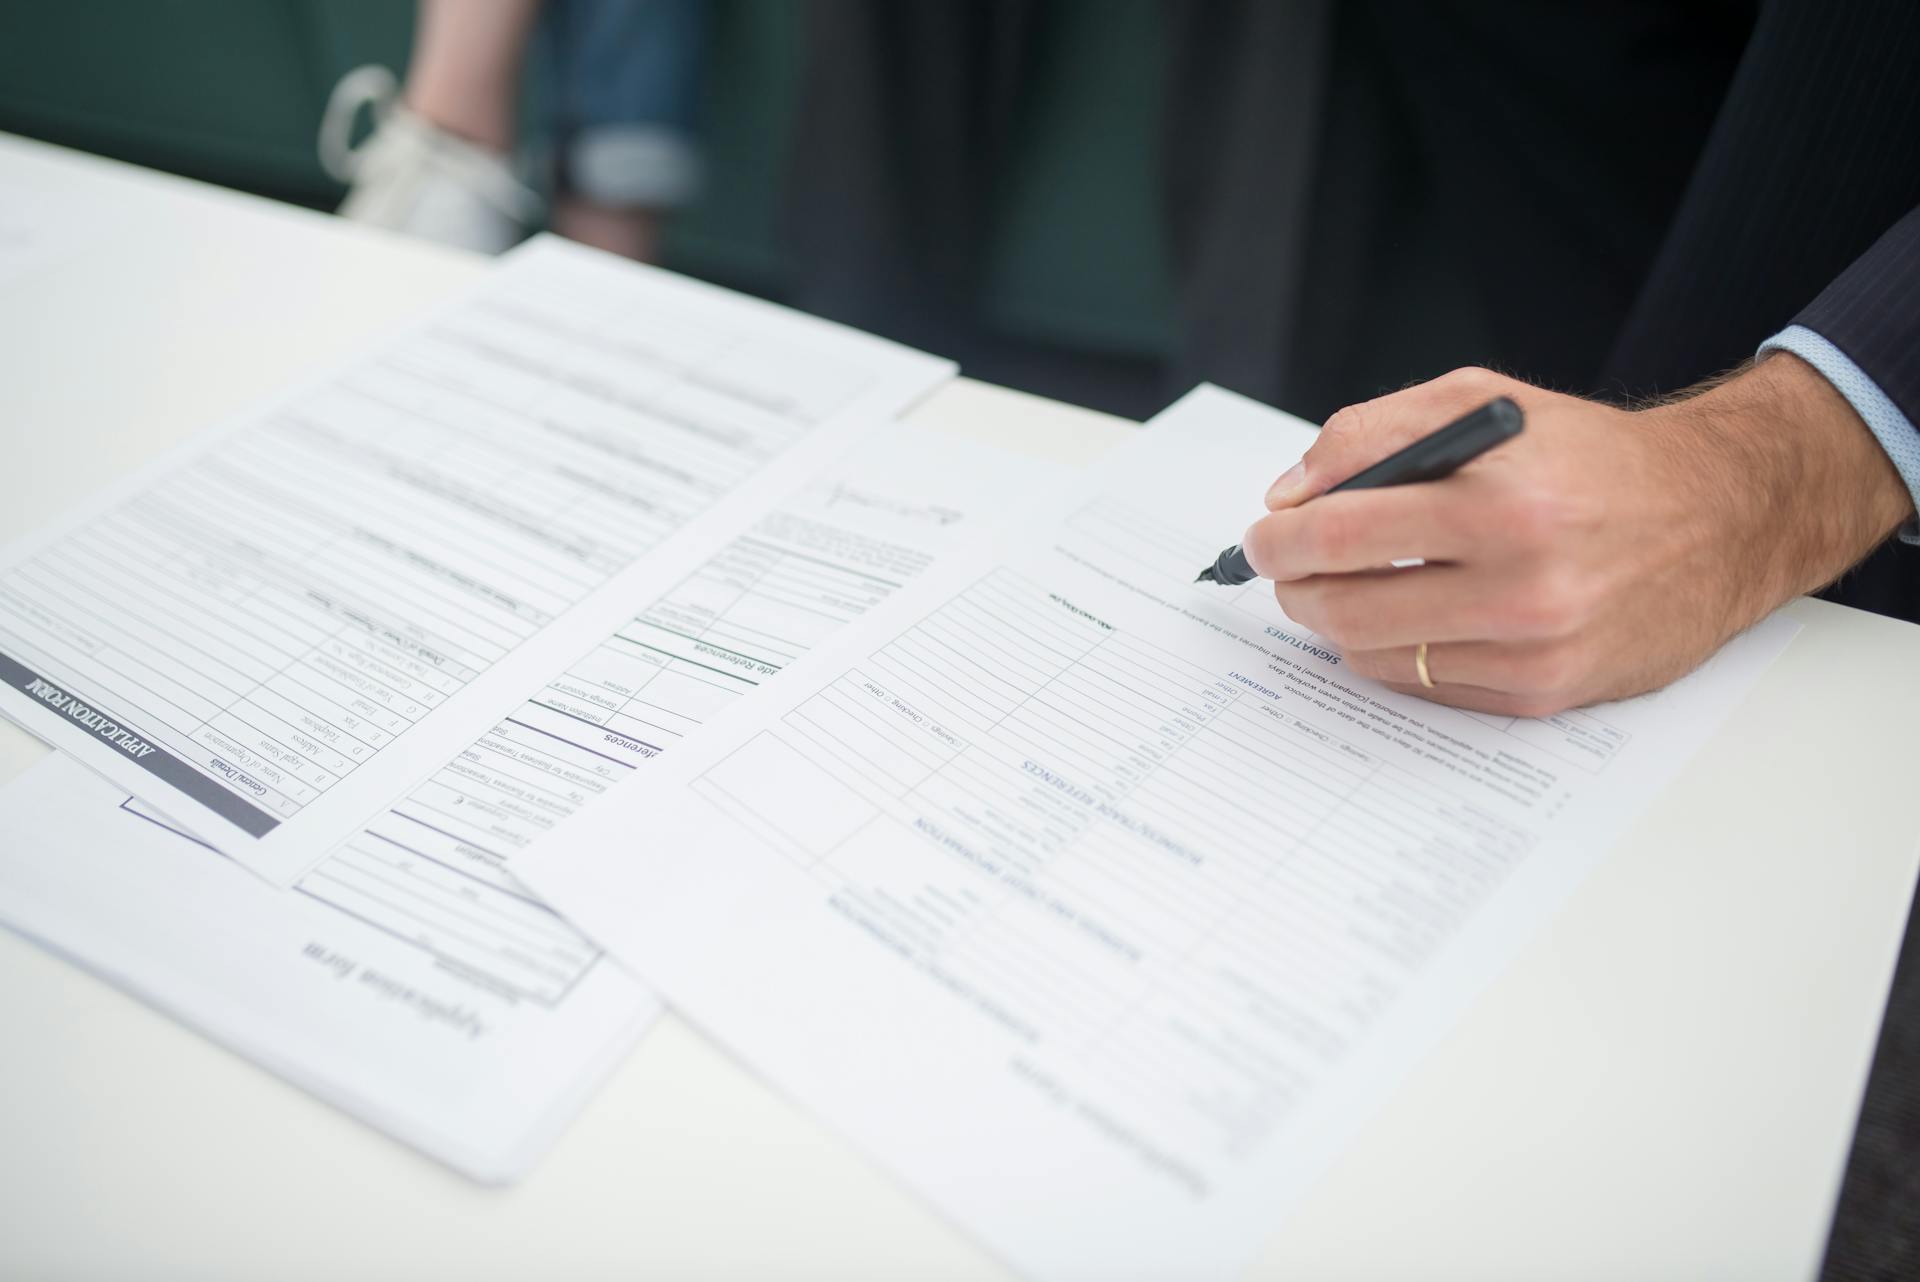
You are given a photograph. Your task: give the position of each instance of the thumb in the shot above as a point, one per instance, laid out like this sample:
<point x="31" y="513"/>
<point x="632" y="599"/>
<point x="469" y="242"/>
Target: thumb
<point x="1361" y="435"/>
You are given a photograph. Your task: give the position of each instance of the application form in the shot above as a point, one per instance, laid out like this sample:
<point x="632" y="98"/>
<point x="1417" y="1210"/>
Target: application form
<point x="275" y="630"/>
<point x="410" y="977"/>
<point x="1099" y="905"/>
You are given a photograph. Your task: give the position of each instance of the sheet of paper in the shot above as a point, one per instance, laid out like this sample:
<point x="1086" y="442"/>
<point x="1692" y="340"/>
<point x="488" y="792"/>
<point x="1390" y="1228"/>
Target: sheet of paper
<point x="391" y="1017"/>
<point x="278" y="628"/>
<point x="1099" y="905"/>
<point x="409" y="977"/>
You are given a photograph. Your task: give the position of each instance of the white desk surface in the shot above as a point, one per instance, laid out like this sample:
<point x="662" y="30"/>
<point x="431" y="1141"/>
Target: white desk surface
<point x="1664" y="1086"/>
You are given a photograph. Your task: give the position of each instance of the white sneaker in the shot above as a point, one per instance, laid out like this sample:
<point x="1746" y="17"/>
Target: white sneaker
<point x="413" y="176"/>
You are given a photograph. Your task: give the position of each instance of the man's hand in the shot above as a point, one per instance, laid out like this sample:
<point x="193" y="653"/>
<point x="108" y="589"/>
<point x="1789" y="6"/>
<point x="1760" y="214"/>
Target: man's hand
<point x="1601" y="553"/>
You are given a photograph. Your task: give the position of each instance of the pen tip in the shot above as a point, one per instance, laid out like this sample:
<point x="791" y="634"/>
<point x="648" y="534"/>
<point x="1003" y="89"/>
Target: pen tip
<point x="1205" y="576"/>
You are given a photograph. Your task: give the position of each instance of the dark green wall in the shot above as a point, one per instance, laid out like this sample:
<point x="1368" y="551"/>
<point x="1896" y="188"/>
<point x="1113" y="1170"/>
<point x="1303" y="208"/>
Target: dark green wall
<point x="231" y="91"/>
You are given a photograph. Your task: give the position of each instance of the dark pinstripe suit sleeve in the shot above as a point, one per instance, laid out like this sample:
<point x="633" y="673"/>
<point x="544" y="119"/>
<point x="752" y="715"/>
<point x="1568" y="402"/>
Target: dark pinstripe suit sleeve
<point x="1872" y="313"/>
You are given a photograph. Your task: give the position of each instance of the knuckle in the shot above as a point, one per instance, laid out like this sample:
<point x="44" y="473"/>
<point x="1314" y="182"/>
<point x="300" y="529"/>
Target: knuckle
<point x="1554" y="603"/>
<point x="1540" y="705"/>
<point x="1536" y="514"/>
<point x="1367" y="663"/>
<point x="1475" y="378"/>
<point x="1345" y="421"/>
<point x="1329" y="536"/>
<point x="1548" y="671"/>
<point x="1336" y="625"/>
<point x="1302" y="602"/>
<point x="1340" y="623"/>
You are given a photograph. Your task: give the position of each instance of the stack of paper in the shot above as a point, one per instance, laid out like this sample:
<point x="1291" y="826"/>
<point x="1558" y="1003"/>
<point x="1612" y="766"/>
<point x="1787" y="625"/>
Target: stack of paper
<point x="569" y="462"/>
<point x="1099" y="905"/>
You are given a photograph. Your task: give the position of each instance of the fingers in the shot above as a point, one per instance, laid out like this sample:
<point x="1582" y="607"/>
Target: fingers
<point x="1361" y="435"/>
<point x="1387" y="608"/>
<point x="1365" y="530"/>
<point x="1528" y="679"/>
<point x="1502" y="703"/>
<point x="1506" y="607"/>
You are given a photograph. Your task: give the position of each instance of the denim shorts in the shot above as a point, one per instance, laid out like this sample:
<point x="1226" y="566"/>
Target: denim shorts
<point x="623" y="85"/>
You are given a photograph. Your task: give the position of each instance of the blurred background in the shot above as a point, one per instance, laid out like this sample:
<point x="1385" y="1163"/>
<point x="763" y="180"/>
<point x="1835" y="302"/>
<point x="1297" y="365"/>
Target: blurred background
<point x="1072" y="290"/>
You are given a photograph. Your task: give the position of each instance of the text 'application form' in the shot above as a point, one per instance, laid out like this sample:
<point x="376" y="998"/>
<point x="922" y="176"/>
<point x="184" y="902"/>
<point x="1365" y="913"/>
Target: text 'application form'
<point x="276" y="630"/>
<point x="1098" y="904"/>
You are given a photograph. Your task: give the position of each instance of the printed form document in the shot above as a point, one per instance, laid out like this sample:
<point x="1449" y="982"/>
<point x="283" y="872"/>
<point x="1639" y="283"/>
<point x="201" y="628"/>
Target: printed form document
<point x="1098" y="905"/>
<point x="278" y="628"/>
<point x="409" y="977"/>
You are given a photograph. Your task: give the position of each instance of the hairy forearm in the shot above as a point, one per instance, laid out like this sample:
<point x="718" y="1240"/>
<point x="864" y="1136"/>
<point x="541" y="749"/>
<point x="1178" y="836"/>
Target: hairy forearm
<point x="1790" y="479"/>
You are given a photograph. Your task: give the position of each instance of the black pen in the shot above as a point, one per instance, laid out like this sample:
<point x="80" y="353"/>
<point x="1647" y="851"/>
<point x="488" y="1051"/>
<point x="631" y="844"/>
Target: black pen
<point x="1427" y="459"/>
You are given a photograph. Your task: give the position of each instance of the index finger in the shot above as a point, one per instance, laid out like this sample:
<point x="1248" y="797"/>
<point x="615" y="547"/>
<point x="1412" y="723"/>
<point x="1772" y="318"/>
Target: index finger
<point x="1364" y="433"/>
<point x="1363" y="530"/>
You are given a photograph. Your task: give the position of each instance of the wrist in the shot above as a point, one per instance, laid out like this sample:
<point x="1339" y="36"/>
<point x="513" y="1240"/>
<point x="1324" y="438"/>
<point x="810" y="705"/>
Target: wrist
<point x="1797" y="487"/>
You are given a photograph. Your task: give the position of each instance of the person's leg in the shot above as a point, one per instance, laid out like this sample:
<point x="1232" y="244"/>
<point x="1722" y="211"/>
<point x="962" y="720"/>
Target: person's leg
<point x="439" y="160"/>
<point x="620" y="229"/>
<point x="465" y="72"/>
<point x="624" y="83"/>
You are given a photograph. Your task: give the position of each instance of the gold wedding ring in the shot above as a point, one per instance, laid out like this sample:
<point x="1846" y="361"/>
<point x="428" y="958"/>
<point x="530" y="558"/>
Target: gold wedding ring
<point x="1420" y="665"/>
